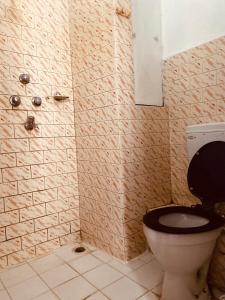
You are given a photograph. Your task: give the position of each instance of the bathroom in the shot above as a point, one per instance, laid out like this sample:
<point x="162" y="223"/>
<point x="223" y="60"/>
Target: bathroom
<point x="84" y="155"/>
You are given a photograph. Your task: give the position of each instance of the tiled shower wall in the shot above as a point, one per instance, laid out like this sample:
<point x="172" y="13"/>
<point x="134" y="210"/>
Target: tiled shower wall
<point x="38" y="170"/>
<point x="123" y="149"/>
<point x="194" y="91"/>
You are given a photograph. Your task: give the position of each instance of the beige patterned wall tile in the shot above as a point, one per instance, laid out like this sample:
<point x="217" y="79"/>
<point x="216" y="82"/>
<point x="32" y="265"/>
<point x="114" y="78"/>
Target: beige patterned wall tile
<point x="56" y="206"/>
<point x="7" y="160"/>
<point x="18" y="173"/>
<point x="59" y="230"/>
<point x="10" y="246"/>
<point x="221" y="76"/>
<point x="19" y="229"/>
<point x="28" y="158"/>
<point x="14" y="59"/>
<point x="10" y="29"/>
<point x="46" y="222"/>
<point x="2" y="205"/>
<point x="31" y="185"/>
<point x="47" y="247"/>
<point x="32" y="212"/>
<point x="2" y="234"/>
<point x="6" y="131"/>
<point x="18" y="201"/>
<point x="43" y="170"/>
<point x="68" y="216"/>
<point x="14" y="145"/>
<point x="34" y="239"/>
<point x="45" y="196"/>
<point x="8" y="189"/>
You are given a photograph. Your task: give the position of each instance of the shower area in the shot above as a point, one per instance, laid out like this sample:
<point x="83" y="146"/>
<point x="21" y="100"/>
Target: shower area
<point x="78" y="159"/>
<point x="82" y="158"/>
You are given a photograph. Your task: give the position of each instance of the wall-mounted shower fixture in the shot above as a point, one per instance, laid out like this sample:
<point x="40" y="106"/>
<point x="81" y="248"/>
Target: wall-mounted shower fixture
<point x="37" y="101"/>
<point x="123" y="12"/>
<point x="15" y="100"/>
<point x="58" y="96"/>
<point x="24" y="78"/>
<point x="30" y="123"/>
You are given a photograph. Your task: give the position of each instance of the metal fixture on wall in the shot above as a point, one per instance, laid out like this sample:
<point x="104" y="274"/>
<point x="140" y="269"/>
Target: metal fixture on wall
<point x="37" y="101"/>
<point x="30" y="123"/>
<point x="58" y="96"/>
<point x="15" y="100"/>
<point x="24" y="78"/>
<point x="123" y="12"/>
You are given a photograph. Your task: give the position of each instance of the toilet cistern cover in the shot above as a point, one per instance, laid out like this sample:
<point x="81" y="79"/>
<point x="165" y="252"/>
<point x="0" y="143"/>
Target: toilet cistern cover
<point x="206" y="173"/>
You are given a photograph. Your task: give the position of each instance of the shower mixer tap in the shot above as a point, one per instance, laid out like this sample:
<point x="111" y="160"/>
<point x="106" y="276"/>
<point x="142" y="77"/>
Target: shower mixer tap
<point x="30" y="123"/>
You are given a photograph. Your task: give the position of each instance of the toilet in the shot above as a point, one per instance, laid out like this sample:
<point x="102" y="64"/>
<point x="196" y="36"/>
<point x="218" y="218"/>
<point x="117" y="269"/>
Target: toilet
<point x="183" y="238"/>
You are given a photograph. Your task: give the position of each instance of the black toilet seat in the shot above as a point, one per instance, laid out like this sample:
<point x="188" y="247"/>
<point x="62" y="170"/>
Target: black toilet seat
<point x="151" y="219"/>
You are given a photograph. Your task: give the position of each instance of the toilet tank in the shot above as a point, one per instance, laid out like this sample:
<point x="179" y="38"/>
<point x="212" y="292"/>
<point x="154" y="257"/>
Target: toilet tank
<point x="199" y="135"/>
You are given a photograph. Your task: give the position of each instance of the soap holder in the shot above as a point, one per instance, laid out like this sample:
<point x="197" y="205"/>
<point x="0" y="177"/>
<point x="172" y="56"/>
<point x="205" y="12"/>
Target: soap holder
<point x="60" y="97"/>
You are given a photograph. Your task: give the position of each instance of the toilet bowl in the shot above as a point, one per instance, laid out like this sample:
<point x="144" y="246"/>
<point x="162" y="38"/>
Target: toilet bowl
<point x="183" y="238"/>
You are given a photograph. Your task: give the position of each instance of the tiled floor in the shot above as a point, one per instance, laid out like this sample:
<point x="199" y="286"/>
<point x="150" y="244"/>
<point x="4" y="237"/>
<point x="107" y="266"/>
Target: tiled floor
<point x="92" y="275"/>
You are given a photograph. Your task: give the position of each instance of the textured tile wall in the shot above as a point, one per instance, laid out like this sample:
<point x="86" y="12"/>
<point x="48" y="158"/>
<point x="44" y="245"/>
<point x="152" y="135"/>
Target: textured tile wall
<point x="38" y="169"/>
<point x="123" y="150"/>
<point x="194" y="91"/>
<point x="144" y="144"/>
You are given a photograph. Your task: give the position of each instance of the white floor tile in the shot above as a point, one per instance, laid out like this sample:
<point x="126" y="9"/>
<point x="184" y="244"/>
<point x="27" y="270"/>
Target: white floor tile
<point x="46" y="263"/>
<point x="97" y="296"/>
<point x="1" y="286"/>
<point x="102" y="276"/>
<point x="126" y="268"/>
<point x="149" y="296"/>
<point x="88" y="246"/>
<point x="58" y="275"/>
<point x="75" y="289"/>
<point x="102" y="255"/>
<point x="67" y="253"/>
<point x="157" y="290"/>
<point x="124" y="289"/>
<point x="28" y="289"/>
<point x="4" y="295"/>
<point x="85" y="263"/>
<point x="46" y="296"/>
<point x="16" y="275"/>
<point x="148" y="275"/>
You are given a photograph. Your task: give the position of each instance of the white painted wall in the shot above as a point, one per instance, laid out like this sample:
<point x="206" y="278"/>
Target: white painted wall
<point x="189" y="23"/>
<point x="147" y="51"/>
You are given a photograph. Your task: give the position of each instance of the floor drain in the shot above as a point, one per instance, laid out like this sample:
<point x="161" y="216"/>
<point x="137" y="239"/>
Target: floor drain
<point x="79" y="249"/>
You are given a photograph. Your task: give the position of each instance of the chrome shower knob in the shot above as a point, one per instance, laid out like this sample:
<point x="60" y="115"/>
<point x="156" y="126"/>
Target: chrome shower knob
<point x="24" y="78"/>
<point x="15" y="100"/>
<point x="37" y="101"/>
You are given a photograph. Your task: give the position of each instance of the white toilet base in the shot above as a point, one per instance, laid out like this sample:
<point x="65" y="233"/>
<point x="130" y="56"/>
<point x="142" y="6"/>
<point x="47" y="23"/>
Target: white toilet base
<point x="183" y="286"/>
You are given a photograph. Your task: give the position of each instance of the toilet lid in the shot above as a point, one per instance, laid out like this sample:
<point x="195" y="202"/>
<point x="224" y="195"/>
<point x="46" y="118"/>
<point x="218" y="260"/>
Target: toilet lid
<point x="206" y="173"/>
